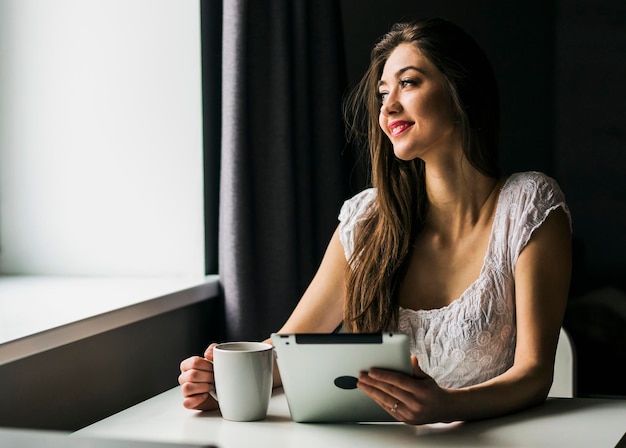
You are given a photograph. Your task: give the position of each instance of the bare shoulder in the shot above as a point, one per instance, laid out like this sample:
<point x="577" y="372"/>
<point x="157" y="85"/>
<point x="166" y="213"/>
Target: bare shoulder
<point x="543" y="272"/>
<point x="554" y="232"/>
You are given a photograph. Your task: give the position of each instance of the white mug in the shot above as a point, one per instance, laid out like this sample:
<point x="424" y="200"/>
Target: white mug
<point x="243" y="379"/>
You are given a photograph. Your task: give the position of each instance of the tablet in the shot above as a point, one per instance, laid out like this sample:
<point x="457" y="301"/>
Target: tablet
<point x="319" y="373"/>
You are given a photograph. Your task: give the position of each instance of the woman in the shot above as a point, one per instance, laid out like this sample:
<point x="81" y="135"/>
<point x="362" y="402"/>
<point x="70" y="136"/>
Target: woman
<point x="475" y="267"/>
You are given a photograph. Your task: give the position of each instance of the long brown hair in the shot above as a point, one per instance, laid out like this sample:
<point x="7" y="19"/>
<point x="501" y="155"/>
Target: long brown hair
<point x="383" y="242"/>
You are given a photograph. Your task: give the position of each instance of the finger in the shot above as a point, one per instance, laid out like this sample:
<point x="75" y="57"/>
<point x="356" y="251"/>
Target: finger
<point x="388" y="402"/>
<point x="186" y="364"/>
<point x="387" y="380"/>
<point x="194" y="401"/>
<point x="384" y="391"/>
<point x="196" y="376"/>
<point x="417" y="371"/>
<point x="391" y="380"/>
<point x="202" y="402"/>
<point x="208" y="353"/>
<point x="196" y="363"/>
<point x="191" y="389"/>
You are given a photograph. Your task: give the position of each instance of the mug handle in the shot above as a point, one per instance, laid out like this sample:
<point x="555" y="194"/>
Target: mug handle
<point x="213" y="392"/>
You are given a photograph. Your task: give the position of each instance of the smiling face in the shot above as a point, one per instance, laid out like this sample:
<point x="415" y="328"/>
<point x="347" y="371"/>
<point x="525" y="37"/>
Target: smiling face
<point x="416" y="112"/>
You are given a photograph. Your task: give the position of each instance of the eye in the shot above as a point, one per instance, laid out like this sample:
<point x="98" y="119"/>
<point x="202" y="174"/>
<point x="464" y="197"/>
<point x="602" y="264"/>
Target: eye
<point x="382" y="96"/>
<point x="407" y="82"/>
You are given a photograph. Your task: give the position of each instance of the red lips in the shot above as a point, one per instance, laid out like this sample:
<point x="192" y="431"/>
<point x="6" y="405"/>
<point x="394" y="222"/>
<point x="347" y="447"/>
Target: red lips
<point x="397" y="127"/>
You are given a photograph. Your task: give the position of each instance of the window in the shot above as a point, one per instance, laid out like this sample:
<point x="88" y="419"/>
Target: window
<point x="101" y="138"/>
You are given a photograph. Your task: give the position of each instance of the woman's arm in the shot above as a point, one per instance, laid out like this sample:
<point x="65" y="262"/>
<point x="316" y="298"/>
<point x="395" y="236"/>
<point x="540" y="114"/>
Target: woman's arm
<point x="320" y="310"/>
<point x="542" y="277"/>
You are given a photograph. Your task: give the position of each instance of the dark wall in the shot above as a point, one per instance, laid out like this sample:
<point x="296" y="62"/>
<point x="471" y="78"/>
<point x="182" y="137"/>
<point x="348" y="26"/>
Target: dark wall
<point x="78" y="384"/>
<point x="561" y="70"/>
<point x="591" y="133"/>
<point x="591" y="167"/>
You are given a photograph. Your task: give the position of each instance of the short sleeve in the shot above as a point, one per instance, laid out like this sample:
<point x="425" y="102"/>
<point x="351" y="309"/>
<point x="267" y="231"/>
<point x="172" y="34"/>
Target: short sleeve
<point x="530" y="198"/>
<point x="352" y="212"/>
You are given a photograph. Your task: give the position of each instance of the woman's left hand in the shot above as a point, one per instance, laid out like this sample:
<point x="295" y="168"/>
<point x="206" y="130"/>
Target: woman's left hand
<point x="415" y="400"/>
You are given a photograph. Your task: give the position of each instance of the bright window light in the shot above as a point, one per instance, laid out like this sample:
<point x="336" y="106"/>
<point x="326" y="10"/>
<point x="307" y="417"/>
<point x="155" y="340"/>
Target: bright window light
<point x="101" y="165"/>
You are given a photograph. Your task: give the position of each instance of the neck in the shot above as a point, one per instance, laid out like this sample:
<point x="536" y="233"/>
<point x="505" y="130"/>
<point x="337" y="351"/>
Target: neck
<point x="459" y="199"/>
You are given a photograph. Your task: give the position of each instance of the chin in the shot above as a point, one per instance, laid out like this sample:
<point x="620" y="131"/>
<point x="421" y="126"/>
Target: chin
<point x="404" y="156"/>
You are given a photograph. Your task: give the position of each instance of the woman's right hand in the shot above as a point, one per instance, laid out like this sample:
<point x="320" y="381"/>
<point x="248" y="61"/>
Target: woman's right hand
<point x="196" y="379"/>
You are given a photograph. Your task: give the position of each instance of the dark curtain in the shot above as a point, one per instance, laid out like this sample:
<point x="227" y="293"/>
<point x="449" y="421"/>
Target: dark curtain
<point x="284" y="168"/>
<point x="211" y="24"/>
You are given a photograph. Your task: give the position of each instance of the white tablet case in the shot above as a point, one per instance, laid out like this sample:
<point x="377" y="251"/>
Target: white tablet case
<point x="319" y="373"/>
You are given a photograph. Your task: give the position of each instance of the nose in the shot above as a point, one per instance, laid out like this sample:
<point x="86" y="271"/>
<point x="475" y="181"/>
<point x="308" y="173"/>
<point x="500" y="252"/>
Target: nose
<point x="390" y="105"/>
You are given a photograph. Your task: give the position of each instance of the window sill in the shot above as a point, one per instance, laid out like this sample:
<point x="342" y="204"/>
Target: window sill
<point x="31" y="321"/>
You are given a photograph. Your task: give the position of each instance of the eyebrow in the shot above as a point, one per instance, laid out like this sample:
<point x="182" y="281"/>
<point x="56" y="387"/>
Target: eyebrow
<point x="401" y="71"/>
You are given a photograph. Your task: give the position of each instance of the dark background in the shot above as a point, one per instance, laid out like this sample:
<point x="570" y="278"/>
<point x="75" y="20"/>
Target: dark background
<point x="561" y="68"/>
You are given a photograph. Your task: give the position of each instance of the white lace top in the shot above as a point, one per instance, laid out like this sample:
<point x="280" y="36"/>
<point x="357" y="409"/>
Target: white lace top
<point x="473" y="339"/>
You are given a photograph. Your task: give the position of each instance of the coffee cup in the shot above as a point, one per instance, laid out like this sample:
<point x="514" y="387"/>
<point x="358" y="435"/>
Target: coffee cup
<point x="243" y="379"/>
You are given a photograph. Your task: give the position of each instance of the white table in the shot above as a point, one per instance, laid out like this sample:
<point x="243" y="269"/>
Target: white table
<point x="560" y="422"/>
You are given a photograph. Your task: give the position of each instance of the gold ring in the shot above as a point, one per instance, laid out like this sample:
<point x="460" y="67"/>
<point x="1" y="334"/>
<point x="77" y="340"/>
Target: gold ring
<point x="395" y="407"/>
